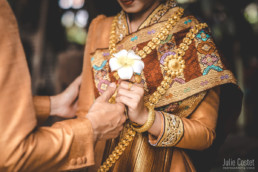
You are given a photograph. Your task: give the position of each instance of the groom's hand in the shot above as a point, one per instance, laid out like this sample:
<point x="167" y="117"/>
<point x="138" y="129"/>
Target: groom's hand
<point x="107" y="119"/>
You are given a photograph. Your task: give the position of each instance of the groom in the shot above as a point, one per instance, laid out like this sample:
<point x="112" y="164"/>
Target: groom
<point x="67" y="145"/>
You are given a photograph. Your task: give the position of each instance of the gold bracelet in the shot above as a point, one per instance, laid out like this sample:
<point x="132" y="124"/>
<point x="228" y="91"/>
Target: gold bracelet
<point x="148" y="124"/>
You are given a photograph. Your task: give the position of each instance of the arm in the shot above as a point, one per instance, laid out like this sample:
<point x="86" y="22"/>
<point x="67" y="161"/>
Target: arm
<point x="63" y="105"/>
<point x="196" y="132"/>
<point x="23" y="146"/>
<point x="42" y="108"/>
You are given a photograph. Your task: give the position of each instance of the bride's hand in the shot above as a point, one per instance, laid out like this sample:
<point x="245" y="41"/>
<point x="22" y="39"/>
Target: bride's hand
<point x="132" y="96"/>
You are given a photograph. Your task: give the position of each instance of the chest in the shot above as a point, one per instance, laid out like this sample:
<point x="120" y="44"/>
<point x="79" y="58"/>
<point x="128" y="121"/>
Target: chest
<point x="153" y="71"/>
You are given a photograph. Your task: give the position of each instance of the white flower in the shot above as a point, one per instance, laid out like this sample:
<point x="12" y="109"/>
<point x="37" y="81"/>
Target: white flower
<point x="126" y="63"/>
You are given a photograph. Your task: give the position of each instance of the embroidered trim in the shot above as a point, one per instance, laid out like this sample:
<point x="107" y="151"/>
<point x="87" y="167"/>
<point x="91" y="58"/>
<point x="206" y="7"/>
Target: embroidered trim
<point x="158" y="13"/>
<point x="173" y="131"/>
<point x="206" y="47"/>
<point x="122" y="28"/>
<point x="188" y="21"/>
<point x="102" y="85"/>
<point x="128" y="44"/>
<point x="182" y="91"/>
<point x="207" y="70"/>
<point x="209" y="59"/>
<point x="167" y="39"/>
<point x="203" y="36"/>
<point x="134" y="38"/>
<point x="101" y="66"/>
<point x="185" y="107"/>
<point x="179" y="91"/>
<point x="151" y="32"/>
<point x="162" y="59"/>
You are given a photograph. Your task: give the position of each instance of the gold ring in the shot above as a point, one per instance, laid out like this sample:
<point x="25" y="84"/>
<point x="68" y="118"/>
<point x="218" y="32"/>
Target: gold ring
<point x="130" y="85"/>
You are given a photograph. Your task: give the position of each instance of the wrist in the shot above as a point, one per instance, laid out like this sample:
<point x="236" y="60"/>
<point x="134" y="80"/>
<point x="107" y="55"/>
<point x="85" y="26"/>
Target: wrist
<point x="94" y="127"/>
<point x="54" y="107"/>
<point x="143" y="117"/>
<point x="148" y="124"/>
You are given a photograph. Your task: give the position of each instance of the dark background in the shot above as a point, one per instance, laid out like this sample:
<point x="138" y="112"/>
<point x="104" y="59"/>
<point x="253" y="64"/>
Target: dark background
<point x="54" y="53"/>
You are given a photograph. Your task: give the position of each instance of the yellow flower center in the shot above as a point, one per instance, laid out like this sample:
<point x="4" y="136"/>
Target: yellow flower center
<point x="125" y="61"/>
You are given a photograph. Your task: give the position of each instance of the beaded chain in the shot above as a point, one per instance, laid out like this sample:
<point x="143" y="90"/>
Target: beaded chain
<point x="154" y="42"/>
<point x="173" y="66"/>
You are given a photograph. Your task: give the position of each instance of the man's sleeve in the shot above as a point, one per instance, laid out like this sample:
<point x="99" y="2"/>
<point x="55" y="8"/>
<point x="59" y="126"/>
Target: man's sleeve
<point x="24" y="147"/>
<point x="42" y="108"/>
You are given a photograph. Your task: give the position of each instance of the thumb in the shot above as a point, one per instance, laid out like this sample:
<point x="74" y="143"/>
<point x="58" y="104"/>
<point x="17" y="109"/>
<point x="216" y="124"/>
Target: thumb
<point x="76" y="82"/>
<point x="108" y="93"/>
<point x="72" y="90"/>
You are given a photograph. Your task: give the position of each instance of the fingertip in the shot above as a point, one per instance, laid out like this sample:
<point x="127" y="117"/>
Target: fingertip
<point x="124" y="119"/>
<point x="121" y="105"/>
<point x="117" y="100"/>
<point x="120" y="129"/>
<point x="123" y="83"/>
<point x="112" y="85"/>
<point x="79" y="78"/>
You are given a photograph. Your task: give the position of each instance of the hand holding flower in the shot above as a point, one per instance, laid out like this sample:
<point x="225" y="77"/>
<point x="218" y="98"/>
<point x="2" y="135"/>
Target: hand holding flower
<point x="133" y="99"/>
<point x="126" y="63"/>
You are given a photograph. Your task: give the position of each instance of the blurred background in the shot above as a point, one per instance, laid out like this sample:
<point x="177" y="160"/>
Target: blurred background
<point x="53" y="34"/>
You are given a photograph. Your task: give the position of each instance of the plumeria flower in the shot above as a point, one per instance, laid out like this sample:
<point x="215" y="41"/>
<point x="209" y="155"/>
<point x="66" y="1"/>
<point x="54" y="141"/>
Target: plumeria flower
<point x="126" y="63"/>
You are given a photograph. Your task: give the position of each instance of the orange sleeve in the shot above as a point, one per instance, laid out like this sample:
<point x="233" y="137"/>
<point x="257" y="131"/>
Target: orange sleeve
<point x="66" y="145"/>
<point x="42" y="108"/>
<point x="199" y="129"/>
<point x="196" y="132"/>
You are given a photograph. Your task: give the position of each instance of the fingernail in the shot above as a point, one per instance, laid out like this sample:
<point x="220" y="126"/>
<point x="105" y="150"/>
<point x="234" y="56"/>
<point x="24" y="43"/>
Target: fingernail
<point x="112" y="85"/>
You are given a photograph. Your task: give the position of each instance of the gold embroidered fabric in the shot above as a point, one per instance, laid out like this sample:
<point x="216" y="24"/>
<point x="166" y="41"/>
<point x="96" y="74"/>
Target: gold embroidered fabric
<point x="185" y="107"/>
<point x="211" y="73"/>
<point x="180" y="109"/>
<point x="173" y="131"/>
<point x="159" y="12"/>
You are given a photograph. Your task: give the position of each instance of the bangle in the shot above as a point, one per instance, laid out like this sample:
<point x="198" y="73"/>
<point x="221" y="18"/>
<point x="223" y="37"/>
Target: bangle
<point x="147" y="125"/>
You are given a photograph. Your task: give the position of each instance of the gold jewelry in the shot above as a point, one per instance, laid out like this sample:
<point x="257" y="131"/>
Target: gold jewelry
<point x="137" y="79"/>
<point x="174" y="66"/>
<point x="130" y="86"/>
<point x="148" y="124"/>
<point x="164" y="31"/>
<point x="119" y="149"/>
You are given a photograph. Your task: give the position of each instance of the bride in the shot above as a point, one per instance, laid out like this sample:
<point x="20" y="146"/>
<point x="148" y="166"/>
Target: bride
<point x="170" y="75"/>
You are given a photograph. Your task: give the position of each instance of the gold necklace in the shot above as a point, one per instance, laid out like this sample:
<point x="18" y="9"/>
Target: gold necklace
<point x="154" y="42"/>
<point x="173" y="67"/>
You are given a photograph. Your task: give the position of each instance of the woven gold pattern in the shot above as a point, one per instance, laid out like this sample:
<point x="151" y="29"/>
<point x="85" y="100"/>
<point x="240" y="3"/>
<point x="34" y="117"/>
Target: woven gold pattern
<point x="174" y="130"/>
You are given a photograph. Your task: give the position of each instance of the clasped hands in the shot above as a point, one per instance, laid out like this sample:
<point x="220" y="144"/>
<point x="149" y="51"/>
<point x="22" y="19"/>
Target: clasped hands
<point x="111" y="118"/>
<point x="107" y="119"/>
